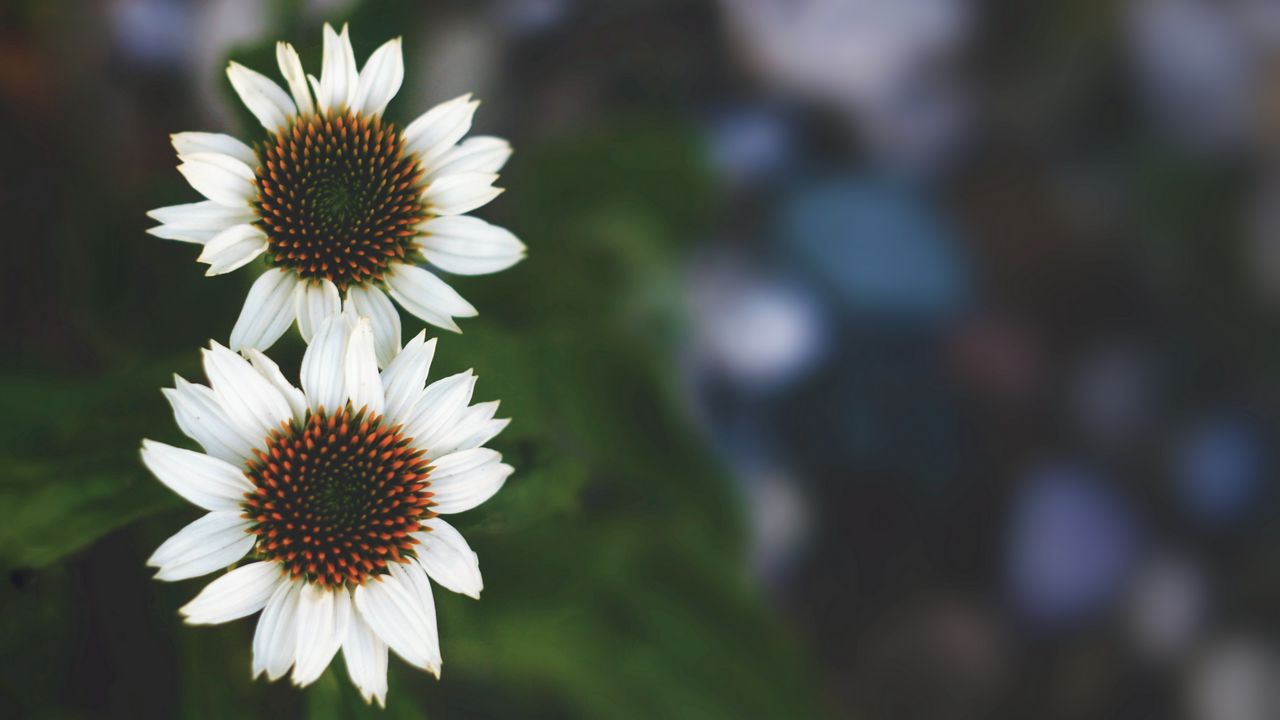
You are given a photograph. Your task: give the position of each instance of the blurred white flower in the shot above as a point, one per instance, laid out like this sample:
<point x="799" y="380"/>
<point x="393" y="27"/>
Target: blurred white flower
<point x="890" y="64"/>
<point x="757" y="331"/>
<point x="342" y="204"/>
<point x="1236" y="679"/>
<point x="1202" y="66"/>
<point x="332" y="492"/>
<point x="780" y="519"/>
<point x="1166" y="607"/>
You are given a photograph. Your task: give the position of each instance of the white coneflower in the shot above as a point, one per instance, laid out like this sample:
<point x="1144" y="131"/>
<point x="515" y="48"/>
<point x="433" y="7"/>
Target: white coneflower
<point x="331" y="496"/>
<point x="342" y="203"/>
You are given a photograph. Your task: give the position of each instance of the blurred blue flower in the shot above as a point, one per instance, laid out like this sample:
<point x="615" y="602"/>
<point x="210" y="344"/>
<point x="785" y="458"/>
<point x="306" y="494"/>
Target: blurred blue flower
<point x="1071" y="544"/>
<point x="879" y="247"/>
<point x="749" y="144"/>
<point x="1219" y="469"/>
<point x="153" y="32"/>
<point x="530" y="16"/>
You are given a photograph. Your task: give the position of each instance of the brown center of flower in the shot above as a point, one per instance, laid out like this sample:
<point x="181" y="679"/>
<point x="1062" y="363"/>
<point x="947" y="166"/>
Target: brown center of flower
<point x="338" y="196"/>
<point x="337" y="496"/>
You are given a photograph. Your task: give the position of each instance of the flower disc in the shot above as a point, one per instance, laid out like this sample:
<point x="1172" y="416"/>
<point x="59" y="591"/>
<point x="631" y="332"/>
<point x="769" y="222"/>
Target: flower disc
<point x="337" y="497"/>
<point x="338" y="196"/>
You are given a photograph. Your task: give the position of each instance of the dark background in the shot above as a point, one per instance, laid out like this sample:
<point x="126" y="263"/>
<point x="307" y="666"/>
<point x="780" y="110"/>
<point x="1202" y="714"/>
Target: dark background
<point x="872" y="358"/>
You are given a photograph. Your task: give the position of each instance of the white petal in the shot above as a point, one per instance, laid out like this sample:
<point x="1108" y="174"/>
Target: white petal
<point x="413" y="578"/>
<point x="267" y="312"/>
<point x="233" y="248"/>
<point x="403" y="615"/>
<point x="372" y="303"/>
<point x="198" y="222"/>
<point x="313" y="301"/>
<point x="380" y="80"/>
<point x="406" y="375"/>
<point x="291" y="69"/>
<point x="363" y="384"/>
<point x="199" y="236"/>
<point x="485" y="432"/>
<point x="316" y="91"/>
<point x="221" y="178"/>
<point x="448" y="559"/>
<point x="249" y="399"/>
<point x="231" y="165"/>
<point x="267" y="368"/>
<point x="436" y="130"/>
<point x="262" y="96"/>
<point x="202" y="480"/>
<point x="203" y="214"/>
<point x="482" y="153"/>
<point x="366" y="658"/>
<point x="199" y="414"/>
<point x="460" y="193"/>
<point x="338" y="76"/>
<point x="213" y="542"/>
<point x="243" y="591"/>
<point x="324" y="363"/>
<point x="275" y="640"/>
<point x="463" y="480"/>
<point x="427" y="296"/>
<point x="189" y="143"/>
<point x="439" y="409"/>
<point x="473" y="427"/>
<point x="323" y="615"/>
<point x="469" y="246"/>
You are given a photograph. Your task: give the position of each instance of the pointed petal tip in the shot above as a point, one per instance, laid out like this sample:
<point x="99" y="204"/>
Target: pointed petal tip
<point x="161" y="575"/>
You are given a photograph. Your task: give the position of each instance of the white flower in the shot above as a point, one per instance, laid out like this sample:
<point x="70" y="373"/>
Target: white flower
<point x="331" y="495"/>
<point x="343" y="204"/>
